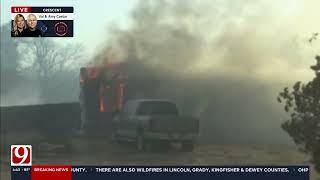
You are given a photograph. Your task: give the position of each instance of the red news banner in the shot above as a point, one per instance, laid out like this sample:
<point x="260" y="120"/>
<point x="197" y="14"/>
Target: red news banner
<point x="42" y="21"/>
<point x="51" y="173"/>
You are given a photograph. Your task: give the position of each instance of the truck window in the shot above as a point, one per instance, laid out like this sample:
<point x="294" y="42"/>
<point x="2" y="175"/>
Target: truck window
<point x="156" y="108"/>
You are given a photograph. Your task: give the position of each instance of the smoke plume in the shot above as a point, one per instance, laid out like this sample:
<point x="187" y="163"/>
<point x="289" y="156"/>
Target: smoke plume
<point x="222" y="61"/>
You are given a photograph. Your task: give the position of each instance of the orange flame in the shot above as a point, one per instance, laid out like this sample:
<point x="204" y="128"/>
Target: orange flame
<point x="103" y="107"/>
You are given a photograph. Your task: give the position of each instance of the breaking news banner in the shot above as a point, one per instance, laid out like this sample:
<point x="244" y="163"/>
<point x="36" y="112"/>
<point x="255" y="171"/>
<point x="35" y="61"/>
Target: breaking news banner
<point x="41" y="21"/>
<point x="160" y="172"/>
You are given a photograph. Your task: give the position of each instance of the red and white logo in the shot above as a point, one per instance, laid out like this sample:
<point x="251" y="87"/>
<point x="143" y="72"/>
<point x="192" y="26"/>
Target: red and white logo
<point x="61" y="28"/>
<point x="21" y="155"/>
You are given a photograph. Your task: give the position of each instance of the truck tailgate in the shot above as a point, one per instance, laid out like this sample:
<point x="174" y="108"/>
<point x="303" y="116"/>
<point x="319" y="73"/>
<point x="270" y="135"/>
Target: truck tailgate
<point x="174" y="124"/>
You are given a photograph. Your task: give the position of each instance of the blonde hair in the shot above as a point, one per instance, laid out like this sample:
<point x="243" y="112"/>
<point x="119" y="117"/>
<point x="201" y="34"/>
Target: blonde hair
<point x="15" y="26"/>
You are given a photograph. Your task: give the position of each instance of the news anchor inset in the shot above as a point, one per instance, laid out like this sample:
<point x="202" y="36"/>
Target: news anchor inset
<point x="18" y="25"/>
<point x="32" y="30"/>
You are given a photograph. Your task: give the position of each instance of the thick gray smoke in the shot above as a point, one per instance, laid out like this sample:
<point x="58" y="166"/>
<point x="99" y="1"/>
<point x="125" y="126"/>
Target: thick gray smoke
<point x="222" y="61"/>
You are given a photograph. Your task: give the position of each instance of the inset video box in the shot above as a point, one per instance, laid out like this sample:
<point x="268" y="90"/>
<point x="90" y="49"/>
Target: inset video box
<point x="42" y="21"/>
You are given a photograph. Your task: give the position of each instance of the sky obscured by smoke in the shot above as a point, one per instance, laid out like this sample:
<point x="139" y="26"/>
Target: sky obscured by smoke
<point x="222" y="61"/>
<point x="241" y="36"/>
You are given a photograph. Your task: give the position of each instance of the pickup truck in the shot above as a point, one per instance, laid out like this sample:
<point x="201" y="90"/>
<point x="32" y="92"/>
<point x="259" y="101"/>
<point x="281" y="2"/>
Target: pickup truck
<point x="147" y="121"/>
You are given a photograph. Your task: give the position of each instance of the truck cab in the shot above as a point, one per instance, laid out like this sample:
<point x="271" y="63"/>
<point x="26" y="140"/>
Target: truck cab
<point x="146" y="121"/>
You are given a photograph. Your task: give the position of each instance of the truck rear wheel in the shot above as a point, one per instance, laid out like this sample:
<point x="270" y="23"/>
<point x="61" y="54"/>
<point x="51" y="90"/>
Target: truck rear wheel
<point x="114" y="137"/>
<point x="140" y="142"/>
<point x="187" y="146"/>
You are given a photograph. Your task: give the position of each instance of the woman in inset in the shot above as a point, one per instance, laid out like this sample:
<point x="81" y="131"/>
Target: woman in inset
<point x="18" y="25"/>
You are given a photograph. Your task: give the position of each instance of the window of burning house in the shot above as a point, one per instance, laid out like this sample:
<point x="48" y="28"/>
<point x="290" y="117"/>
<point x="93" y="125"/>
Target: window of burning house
<point x="111" y="91"/>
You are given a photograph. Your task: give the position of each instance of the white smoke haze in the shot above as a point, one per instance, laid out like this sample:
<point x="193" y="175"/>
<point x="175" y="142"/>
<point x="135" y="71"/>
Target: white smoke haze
<point x="16" y="98"/>
<point x="223" y="61"/>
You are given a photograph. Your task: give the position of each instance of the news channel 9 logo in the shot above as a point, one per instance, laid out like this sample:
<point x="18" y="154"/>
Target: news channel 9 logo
<point x="21" y="155"/>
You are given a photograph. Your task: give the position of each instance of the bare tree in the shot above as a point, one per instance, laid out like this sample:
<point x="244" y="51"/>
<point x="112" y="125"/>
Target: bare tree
<point x="48" y="61"/>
